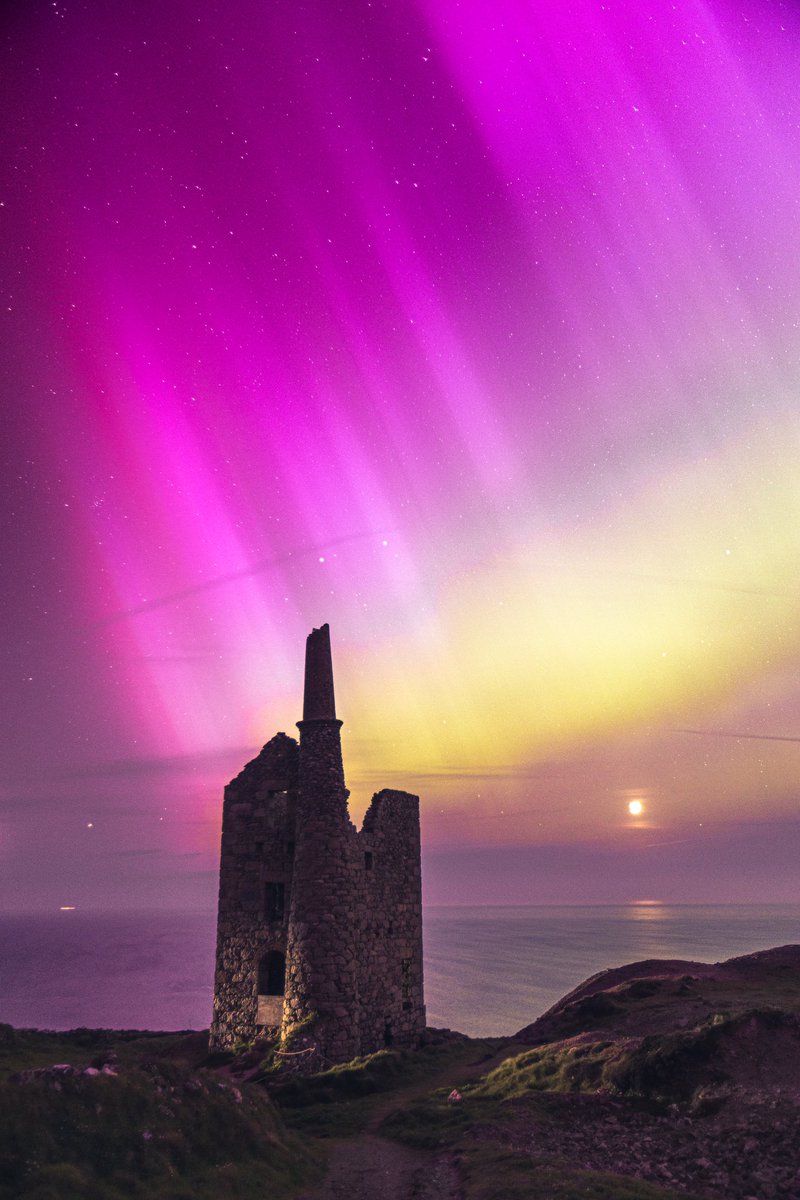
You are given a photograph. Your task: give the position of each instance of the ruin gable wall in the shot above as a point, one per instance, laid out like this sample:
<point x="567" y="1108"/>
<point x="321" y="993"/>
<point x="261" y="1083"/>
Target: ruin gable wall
<point x="389" y="905"/>
<point x="258" y="848"/>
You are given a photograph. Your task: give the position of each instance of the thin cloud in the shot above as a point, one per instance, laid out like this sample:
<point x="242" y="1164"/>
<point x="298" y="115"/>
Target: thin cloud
<point x="154" y="852"/>
<point x="470" y="819"/>
<point x="265" y="564"/>
<point x="724" y="733"/>
<point x="711" y="585"/>
<point x="675" y="581"/>
<point x="165" y="764"/>
<point x="538" y="771"/>
<point x="677" y="842"/>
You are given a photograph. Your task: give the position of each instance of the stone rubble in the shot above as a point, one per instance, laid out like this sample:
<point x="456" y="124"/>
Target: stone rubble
<point x="748" y="1150"/>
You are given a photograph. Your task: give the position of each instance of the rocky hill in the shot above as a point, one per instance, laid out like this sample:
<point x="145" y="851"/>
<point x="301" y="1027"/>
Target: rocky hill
<point x="653" y="1079"/>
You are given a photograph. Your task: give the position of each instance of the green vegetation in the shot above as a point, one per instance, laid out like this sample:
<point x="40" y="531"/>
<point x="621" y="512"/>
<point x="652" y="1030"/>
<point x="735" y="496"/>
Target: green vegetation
<point x="25" y="1049"/>
<point x="589" y="1013"/>
<point x="166" y="1128"/>
<point x="432" y="1123"/>
<point x="156" y="1129"/>
<point x="665" y="1067"/>
<point x="676" y="1066"/>
<point x="294" y="1032"/>
<point x="167" y="1121"/>
<point x="492" y="1173"/>
<point x="578" y="1067"/>
<point x="343" y="1100"/>
<point x="629" y="1005"/>
<point x="274" y="1055"/>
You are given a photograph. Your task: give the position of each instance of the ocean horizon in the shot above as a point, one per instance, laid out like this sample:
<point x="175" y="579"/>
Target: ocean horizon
<point x="489" y="970"/>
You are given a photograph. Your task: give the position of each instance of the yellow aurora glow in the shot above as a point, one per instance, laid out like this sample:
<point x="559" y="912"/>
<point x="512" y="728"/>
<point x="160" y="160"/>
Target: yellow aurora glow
<point x="598" y="653"/>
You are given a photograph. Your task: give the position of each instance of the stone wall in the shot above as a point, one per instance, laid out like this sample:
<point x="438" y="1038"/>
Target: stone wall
<point x="258" y="848"/>
<point x="390" y="938"/>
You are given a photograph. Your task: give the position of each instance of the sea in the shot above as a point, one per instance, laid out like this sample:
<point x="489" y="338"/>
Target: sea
<point x="488" y="971"/>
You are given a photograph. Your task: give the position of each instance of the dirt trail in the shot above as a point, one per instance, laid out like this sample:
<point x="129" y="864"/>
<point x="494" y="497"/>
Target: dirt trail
<point x="370" y="1167"/>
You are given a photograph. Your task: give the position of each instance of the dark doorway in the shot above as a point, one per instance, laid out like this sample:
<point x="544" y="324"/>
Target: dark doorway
<point x="272" y="974"/>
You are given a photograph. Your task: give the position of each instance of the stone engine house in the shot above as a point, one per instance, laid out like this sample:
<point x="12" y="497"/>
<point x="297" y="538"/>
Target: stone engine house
<point x="319" y="936"/>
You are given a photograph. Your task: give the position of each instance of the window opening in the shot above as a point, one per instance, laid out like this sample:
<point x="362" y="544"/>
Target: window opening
<point x="405" y="977"/>
<point x="274" y="901"/>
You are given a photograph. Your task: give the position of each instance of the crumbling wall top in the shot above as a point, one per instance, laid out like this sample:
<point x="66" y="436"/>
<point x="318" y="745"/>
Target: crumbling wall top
<point x="391" y="809"/>
<point x="279" y="758"/>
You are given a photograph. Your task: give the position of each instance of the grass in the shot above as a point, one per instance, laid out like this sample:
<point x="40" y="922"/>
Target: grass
<point x="654" y="1001"/>
<point x="674" y="1066"/>
<point x="473" y="1132"/>
<point x="26" y="1049"/>
<point x="493" y="1173"/>
<point x="653" y="1070"/>
<point x="345" y="1099"/>
<point x="664" y="1067"/>
<point x="168" y="1128"/>
<point x="164" y="1128"/>
<point x="572" y="1068"/>
<point x="159" y="1129"/>
<point x="432" y="1123"/>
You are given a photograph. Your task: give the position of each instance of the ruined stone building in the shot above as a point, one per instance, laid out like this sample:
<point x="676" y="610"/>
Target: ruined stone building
<point x="319" y="935"/>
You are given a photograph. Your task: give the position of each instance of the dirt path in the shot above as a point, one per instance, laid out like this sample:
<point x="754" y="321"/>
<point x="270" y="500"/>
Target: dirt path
<point x="370" y="1167"/>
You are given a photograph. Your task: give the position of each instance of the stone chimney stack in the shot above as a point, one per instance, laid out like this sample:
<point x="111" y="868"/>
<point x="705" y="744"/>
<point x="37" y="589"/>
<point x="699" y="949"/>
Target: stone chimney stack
<point x="318" y="700"/>
<point x="322" y="964"/>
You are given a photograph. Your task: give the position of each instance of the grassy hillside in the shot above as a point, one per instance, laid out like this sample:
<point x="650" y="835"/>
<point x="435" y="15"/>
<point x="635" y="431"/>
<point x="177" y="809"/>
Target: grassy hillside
<point x="649" y="1082"/>
<point x="99" y="1115"/>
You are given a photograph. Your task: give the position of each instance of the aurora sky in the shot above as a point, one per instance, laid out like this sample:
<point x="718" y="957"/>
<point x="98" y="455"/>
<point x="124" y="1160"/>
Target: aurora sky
<point x="472" y="329"/>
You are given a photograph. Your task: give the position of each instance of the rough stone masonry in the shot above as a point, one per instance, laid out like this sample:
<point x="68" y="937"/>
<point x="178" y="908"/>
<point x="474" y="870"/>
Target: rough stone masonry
<point x="319" y="936"/>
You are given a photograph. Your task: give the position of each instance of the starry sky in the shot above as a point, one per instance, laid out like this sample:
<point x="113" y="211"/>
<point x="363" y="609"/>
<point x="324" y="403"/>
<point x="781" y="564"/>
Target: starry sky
<point x="470" y="329"/>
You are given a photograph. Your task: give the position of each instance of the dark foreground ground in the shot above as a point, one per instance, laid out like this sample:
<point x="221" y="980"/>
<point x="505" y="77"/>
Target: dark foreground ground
<point x="649" y="1082"/>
